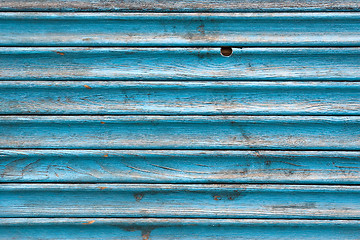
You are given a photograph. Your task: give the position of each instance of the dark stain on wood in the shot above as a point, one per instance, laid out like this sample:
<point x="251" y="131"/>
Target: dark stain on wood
<point x="138" y="196"/>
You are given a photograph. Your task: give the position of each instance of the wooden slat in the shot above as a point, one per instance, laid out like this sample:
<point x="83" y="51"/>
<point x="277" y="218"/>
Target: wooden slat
<point x="180" y="166"/>
<point x="180" y="132"/>
<point x="180" y="29"/>
<point x="211" y="98"/>
<point x="179" y="5"/>
<point x="180" y="200"/>
<point x="179" y="64"/>
<point x="153" y="228"/>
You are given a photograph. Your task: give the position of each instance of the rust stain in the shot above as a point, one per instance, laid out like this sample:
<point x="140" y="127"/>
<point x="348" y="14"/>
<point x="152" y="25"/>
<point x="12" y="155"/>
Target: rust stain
<point x="217" y="198"/>
<point x="257" y="154"/>
<point x="89" y="222"/>
<point x="229" y="196"/>
<point x="106" y="155"/>
<point x="87" y="86"/>
<point x="201" y="29"/>
<point x="234" y="195"/>
<point x="145" y="234"/>
<point x="102" y="122"/>
<point x="60" y="53"/>
<point x="138" y="196"/>
<point x="145" y="231"/>
<point x="102" y="188"/>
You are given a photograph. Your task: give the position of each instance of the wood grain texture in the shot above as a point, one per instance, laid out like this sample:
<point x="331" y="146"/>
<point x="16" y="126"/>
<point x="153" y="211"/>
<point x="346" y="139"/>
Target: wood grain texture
<point x="180" y="200"/>
<point x="176" y="98"/>
<point x="183" y="64"/>
<point x="180" y="132"/>
<point x="179" y="5"/>
<point x="165" y="166"/>
<point x="165" y="228"/>
<point x="183" y="29"/>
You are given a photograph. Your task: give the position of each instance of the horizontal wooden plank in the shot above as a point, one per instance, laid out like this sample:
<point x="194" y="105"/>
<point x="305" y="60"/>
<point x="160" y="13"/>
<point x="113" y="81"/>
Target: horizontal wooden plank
<point x="179" y="29"/>
<point x="179" y="64"/>
<point x="153" y="228"/>
<point x="166" y="166"/>
<point x="180" y="200"/>
<point x="179" y="5"/>
<point x="210" y="98"/>
<point x="180" y="132"/>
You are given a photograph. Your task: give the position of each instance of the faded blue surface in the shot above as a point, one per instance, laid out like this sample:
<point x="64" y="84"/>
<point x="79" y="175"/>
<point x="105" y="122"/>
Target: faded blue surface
<point x="180" y="29"/>
<point x="132" y="125"/>
<point x="190" y="97"/>
<point x="132" y="228"/>
<point x="178" y="166"/>
<point x="180" y="64"/>
<point x="253" y="201"/>
<point x="181" y="132"/>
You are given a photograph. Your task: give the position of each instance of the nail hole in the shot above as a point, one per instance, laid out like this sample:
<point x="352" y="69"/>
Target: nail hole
<point x="226" y="51"/>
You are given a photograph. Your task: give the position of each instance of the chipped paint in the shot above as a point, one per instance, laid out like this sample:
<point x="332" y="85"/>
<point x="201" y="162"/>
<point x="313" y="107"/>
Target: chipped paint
<point x="89" y="222"/>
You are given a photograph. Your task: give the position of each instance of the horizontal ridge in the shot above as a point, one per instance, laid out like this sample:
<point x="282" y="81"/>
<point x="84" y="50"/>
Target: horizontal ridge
<point x="180" y="200"/>
<point x="186" y="98"/>
<point x="164" y="228"/>
<point x="180" y="29"/>
<point x="180" y="64"/>
<point x="180" y="166"/>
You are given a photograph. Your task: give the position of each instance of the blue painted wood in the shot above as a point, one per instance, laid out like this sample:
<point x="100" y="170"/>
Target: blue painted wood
<point x="182" y="64"/>
<point x="180" y="132"/>
<point x="165" y="228"/>
<point x="180" y="29"/>
<point x="180" y="5"/>
<point x="205" y="98"/>
<point x="166" y="166"/>
<point x="180" y="200"/>
<point x="77" y="124"/>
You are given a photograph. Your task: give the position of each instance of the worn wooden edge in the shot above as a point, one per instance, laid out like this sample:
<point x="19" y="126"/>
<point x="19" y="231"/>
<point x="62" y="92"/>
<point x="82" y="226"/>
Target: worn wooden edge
<point x="180" y="29"/>
<point x="180" y="132"/>
<point x="181" y="200"/>
<point x="180" y="228"/>
<point x="176" y="84"/>
<point x="177" y="16"/>
<point x="177" y="188"/>
<point x="173" y="221"/>
<point x="180" y="6"/>
<point x="204" y="98"/>
<point x="169" y="166"/>
<point x="179" y="64"/>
